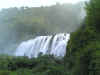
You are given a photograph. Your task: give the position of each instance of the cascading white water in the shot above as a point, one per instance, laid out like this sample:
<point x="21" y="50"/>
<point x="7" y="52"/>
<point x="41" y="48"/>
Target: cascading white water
<point x="54" y="45"/>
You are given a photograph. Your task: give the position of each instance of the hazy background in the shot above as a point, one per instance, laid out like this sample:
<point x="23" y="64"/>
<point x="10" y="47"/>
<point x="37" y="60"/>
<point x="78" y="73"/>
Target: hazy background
<point x="24" y="19"/>
<point x="34" y="3"/>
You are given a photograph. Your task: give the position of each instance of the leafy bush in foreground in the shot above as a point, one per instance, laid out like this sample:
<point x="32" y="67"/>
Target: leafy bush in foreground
<point x="43" y="65"/>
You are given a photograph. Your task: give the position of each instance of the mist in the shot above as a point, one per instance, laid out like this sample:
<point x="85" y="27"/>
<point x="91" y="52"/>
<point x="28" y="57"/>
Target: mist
<point x="24" y="23"/>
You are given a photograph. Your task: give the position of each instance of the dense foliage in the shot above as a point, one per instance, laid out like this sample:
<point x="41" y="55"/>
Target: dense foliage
<point x="83" y="56"/>
<point x="43" y="65"/>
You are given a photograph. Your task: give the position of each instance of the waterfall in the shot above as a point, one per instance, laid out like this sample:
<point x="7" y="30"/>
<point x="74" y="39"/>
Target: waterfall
<point x="53" y="44"/>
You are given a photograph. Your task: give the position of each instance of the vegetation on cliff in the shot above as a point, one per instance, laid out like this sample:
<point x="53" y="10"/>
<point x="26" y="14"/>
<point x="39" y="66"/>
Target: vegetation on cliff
<point x="83" y="56"/>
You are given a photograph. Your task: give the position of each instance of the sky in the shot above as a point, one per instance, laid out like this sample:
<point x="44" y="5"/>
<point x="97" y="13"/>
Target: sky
<point x="32" y="3"/>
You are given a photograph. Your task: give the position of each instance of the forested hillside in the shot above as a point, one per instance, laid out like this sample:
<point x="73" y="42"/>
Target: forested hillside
<point x="83" y="50"/>
<point x="18" y="24"/>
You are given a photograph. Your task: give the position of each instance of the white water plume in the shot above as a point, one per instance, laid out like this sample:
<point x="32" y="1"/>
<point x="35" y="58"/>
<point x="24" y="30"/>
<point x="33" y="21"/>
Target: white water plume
<point x="54" y="45"/>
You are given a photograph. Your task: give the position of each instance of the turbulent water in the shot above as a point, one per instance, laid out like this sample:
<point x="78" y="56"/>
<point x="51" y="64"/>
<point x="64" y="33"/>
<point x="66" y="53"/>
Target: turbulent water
<point x="54" y="45"/>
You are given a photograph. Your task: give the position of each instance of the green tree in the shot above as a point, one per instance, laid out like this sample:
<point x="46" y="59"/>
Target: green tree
<point x="84" y="46"/>
<point x="93" y="13"/>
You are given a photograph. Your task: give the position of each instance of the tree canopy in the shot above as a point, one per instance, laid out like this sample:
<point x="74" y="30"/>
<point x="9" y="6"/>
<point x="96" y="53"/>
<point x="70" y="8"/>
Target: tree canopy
<point x="83" y="50"/>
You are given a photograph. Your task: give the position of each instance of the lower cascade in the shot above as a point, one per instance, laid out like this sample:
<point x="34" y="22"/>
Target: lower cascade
<point x="53" y="45"/>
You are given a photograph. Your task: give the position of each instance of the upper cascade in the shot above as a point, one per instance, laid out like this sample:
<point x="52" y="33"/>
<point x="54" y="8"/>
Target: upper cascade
<point x="53" y="45"/>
